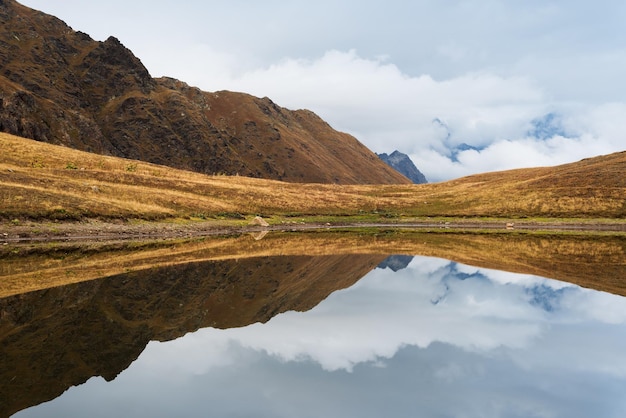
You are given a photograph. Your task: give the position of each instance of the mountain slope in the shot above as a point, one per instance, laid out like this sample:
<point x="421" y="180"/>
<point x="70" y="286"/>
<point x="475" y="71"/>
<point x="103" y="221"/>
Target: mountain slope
<point x="62" y="87"/>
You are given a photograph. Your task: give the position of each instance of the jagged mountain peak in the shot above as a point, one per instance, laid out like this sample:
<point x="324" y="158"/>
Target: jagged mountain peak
<point x="404" y="165"/>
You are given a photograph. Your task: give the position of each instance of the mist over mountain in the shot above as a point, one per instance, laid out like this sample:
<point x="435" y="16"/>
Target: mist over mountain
<point x="62" y="87"/>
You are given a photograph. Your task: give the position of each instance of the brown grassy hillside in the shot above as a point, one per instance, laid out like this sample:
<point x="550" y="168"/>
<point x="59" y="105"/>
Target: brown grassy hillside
<point x="43" y="181"/>
<point x="62" y="87"/>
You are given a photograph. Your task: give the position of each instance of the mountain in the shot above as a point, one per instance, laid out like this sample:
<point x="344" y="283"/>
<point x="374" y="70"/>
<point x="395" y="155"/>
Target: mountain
<point x="403" y="164"/>
<point x="62" y="87"/>
<point x="396" y="262"/>
<point x="547" y="126"/>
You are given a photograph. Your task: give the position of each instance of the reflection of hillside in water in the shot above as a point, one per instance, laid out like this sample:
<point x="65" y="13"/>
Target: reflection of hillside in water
<point x="390" y="345"/>
<point x="597" y="262"/>
<point x="60" y="337"/>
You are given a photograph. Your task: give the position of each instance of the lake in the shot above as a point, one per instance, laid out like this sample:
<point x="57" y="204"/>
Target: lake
<point x="333" y="325"/>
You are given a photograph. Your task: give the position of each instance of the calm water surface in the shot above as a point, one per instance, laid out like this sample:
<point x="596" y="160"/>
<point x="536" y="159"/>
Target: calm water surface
<point x="416" y="336"/>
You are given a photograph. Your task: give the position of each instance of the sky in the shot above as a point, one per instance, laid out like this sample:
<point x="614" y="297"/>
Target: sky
<point x="461" y="86"/>
<point x="441" y="338"/>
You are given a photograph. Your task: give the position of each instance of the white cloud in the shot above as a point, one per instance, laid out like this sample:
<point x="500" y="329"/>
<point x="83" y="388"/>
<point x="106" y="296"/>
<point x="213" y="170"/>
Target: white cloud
<point x="596" y="130"/>
<point x="432" y="301"/>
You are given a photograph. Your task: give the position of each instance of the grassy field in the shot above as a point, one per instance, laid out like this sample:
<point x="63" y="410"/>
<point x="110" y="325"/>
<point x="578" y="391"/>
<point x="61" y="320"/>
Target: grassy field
<point x="42" y="182"/>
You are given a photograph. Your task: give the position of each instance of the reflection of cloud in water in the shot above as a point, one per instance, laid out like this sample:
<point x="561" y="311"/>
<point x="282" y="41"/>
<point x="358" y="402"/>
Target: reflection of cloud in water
<point x="431" y="301"/>
<point x="495" y="344"/>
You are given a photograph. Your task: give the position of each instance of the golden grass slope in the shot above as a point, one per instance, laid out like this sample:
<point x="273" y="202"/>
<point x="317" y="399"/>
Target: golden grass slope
<point x="42" y="181"/>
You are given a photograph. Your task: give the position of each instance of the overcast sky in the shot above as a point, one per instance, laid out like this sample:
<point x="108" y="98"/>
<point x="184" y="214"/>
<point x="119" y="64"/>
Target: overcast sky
<point x="460" y="86"/>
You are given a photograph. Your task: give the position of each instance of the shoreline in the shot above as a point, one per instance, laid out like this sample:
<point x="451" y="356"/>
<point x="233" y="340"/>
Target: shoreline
<point x="95" y="230"/>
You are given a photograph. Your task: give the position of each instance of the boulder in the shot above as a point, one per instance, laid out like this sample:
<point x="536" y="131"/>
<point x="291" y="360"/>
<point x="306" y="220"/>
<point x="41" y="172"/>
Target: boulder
<point x="259" y="221"/>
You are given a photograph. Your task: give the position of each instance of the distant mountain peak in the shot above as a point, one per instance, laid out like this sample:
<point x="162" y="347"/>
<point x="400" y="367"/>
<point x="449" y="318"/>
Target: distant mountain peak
<point x="547" y="126"/>
<point x="403" y="164"/>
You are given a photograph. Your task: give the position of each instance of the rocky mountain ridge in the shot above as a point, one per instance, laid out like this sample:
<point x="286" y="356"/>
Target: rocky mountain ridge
<point x="62" y="87"/>
<point x="404" y="165"/>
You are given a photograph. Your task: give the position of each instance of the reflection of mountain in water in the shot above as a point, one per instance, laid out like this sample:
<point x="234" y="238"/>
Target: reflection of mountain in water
<point x="396" y="262"/>
<point x="539" y="295"/>
<point x="546" y="297"/>
<point x="60" y="337"/>
<point x="451" y="274"/>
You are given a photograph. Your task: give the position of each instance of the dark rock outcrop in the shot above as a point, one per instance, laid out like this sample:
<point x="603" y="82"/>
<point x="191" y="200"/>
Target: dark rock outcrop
<point x="62" y="87"/>
<point x="403" y="164"/>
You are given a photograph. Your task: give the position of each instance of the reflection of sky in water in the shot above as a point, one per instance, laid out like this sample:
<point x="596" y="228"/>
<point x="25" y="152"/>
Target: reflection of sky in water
<point x="437" y="339"/>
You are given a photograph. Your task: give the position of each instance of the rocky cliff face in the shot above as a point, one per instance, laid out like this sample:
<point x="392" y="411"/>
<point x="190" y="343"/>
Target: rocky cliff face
<point x="62" y="87"/>
<point x="403" y="164"/>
